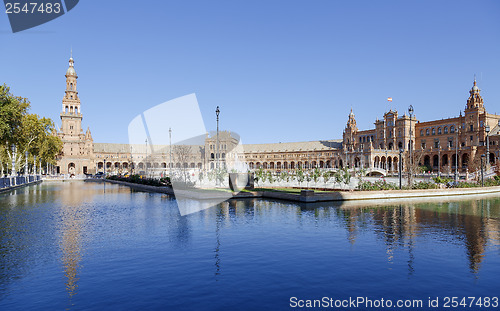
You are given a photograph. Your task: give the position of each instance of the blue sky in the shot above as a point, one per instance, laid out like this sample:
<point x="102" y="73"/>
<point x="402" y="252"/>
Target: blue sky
<point x="279" y="70"/>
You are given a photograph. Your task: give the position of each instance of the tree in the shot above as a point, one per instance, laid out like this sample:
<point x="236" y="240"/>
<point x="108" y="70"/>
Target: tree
<point x="182" y="154"/>
<point x="27" y="132"/>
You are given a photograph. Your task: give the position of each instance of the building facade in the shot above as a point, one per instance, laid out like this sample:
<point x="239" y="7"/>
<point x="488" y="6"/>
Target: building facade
<point x="442" y="145"/>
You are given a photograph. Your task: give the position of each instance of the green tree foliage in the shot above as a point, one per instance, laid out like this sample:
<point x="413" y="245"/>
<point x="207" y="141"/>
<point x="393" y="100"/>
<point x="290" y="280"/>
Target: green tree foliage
<point x="28" y="132"/>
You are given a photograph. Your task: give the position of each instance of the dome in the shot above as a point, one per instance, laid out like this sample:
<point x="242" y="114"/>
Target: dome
<point x="71" y="71"/>
<point x="475" y="88"/>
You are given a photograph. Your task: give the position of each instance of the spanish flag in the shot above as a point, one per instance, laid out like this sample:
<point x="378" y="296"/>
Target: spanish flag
<point x="389" y="99"/>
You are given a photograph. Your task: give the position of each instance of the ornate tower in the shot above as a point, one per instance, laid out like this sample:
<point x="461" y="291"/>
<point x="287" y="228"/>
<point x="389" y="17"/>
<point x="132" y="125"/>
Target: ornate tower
<point x="71" y="116"/>
<point x="475" y="101"/>
<point x="349" y="133"/>
<point x="77" y="154"/>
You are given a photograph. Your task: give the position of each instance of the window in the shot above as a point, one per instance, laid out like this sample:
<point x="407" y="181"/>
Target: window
<point x="472" y="128"/>
<point x="421" y="132"/>
<point x="399" y="133"/>
<point x="471" y="138"/>
<point x="423" y="145"/>
<point x="439" y="131"/>
<point x="436" y="144"/>
<point x="450" y="143"/>
<point x="427" y="132"/>
<point x="433" y="131"/>
<point x="452" y="129"/>
<point x="446" y="130"/>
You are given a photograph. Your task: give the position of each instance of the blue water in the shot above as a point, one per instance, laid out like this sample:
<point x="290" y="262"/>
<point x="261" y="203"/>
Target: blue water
<point x="83" y="246"/>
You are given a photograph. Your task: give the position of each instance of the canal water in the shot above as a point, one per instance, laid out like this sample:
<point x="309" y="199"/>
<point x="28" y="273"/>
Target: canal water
<point x="86" y="246"/>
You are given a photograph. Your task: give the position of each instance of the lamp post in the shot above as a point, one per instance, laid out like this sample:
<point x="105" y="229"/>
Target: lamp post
<point x="439" y="158"/>
<point x="410" y="171"/>
<point x="482" y="174"/>
<point x="104" y="168"/>
<point x="217" y="112"/>
<point x="146" y="162"/>
<point x="34" y="163"/>
<point x="170" y="164"/>
<point x="26" y="163"/>
<point x="487" y="129"/>
<point x="13" y="170"/>
<point x="400" y="168"/>
<point x="456" y="155"/>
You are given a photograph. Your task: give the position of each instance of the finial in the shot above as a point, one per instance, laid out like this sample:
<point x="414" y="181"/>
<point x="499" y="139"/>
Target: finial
<point x="474" y="79"/>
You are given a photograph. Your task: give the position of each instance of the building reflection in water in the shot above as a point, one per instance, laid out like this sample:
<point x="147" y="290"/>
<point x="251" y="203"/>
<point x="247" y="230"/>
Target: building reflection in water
<point x="75" y="228"/>
<point x="475" y="222"/>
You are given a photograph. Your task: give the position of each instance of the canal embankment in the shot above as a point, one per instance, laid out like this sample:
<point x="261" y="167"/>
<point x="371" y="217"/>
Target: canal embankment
<point x="16" y="182"/>
<point x="314" y="196"/>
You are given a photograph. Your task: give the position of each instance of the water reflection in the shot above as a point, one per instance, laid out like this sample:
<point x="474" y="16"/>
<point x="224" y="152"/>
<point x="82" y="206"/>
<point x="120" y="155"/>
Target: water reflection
<point x="128" y="240"/>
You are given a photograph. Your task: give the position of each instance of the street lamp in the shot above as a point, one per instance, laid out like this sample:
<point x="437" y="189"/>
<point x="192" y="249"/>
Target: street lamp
<point x="456" y="154"/>
<point x="487" y="129"/>
<point x="439" y="158"/>
<point x="26" y="163"/>
<point x="482" y="173"/>
<point x="217" y="112"/>
<point x="104" y="168"/>
<point x="170" y="164"/>
<point x="410" y="172"/>
<point x="146" y="162"/>
<point x="13" y="170"/>
<point x="400" y="168"/>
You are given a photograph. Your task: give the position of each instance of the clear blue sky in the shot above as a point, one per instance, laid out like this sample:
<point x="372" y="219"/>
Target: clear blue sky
<point x="279" y="70"/>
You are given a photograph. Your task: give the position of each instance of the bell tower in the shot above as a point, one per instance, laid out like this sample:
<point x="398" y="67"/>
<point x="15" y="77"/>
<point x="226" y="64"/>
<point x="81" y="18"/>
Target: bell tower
<point x="71" y="116"/>
<point x="349" y="133"/>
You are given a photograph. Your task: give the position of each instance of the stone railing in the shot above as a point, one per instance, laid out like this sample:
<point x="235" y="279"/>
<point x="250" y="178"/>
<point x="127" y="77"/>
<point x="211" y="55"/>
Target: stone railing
<point x="9" y="182"/>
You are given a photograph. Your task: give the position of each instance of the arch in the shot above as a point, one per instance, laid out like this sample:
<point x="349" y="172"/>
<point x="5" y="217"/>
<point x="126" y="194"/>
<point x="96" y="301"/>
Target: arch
<point x="292" y="165"/>
<point x="321" y="164"/>
<point x="156" y="165"/>
<point x="117" y="164"/>
<point x="141" y="165"/>
<point x="395" y="163"/>
<point x="382" y="162"/>
<point x="435" y="161"/>
<point x="108" y="164"/>
<point x="439" y="130"/>
<point x="328" y="164"/>
<point x="433" y="131"/>
<point x="444" y="160"/>
<point x="271" y="165"/>
<point x="445" y="130"/>
<point x="148" y="164"/>
<point x="125" y="165"/>
<point x="163" y="165"/>
<point x="251" y="165"/>
<point x="192" y="165"/>
<point x="278" y="165"/>
<point x="400" y="145"/>
<point x="427" y="161"/>
<point x="465" y="160"/>
<point x="376" y="162"/>
<point x="199" y="165"/>
<point x="258" y="165"/>
<point x="299" y="165"/>
<point x="264" y="165"/>
<point x="357" y="162"/>
<point x="391" y="146"/>
<point x="341" y="163"/>
<point x="427" y="132"/>
<point x="421" y="132"/>
<point x="100" y="165"/>
<point x="389" y="164"/>
<point x="452" y="129"/>
<point x="492" y="158"/>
